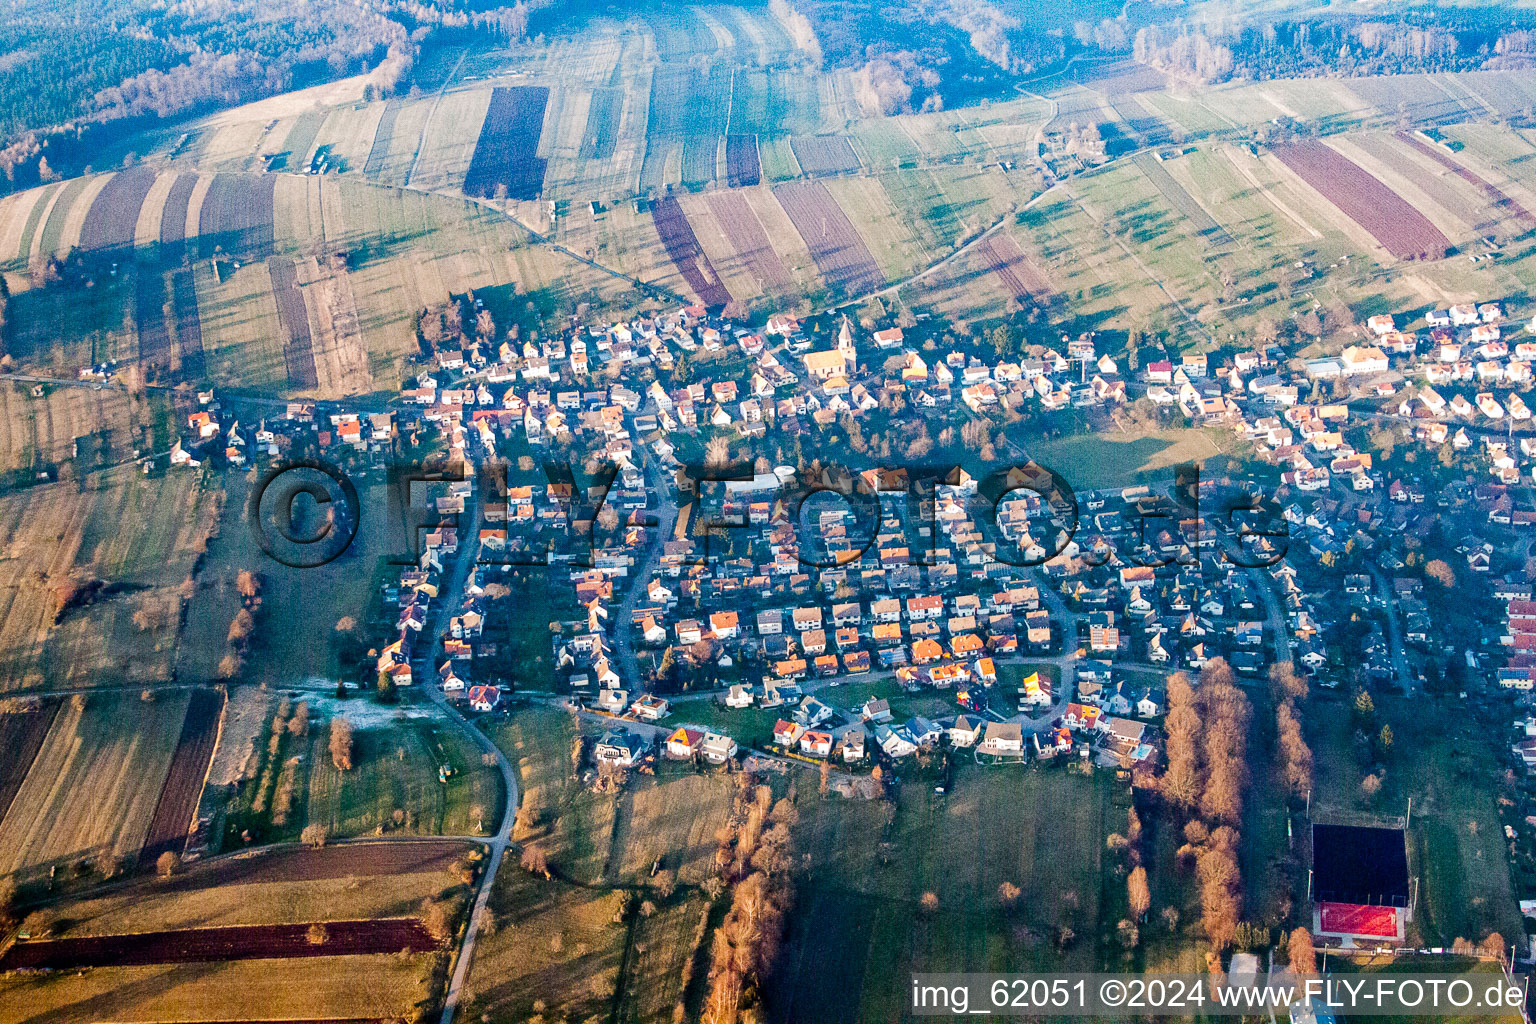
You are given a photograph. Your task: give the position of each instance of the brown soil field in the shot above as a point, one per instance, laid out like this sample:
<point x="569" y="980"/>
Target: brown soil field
<point x="240" y="942"/>
<point x="94" y="784"/>
<point x="746" y="235"/>
<point x="114" y="216"/>
<point x="506" y="154"/>
<point x="184" y="779"/>
<point x="842" y="257"/>
<point x="1403" y="231"/>
<point x="683" y="247"/>
<point x="341" y="861"/>
<point x="22" y="731"/>
<point x="298" y="343"/>
<point x="1001" y="255"/>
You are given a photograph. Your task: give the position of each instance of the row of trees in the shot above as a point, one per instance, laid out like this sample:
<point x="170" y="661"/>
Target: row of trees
<point x="243" y="626"/>
<point x="753" y="858"/>
<point x="1207" y="771"/>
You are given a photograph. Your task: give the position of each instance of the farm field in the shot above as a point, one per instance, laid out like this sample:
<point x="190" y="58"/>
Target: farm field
<point x="683" y="248"/>
<point x="505" y="163"/>
<point x="312" y="988"/>
<point x="177" y="806"/>
<point x="283" y="886"/>
<point x="23" y="727"/>
<point x="92" y="790"/>
<point x="841" y="255"/>
<point x="219" y="945"/>
<point x="64" y="537"/>
<point x="1401" y="230"/>
<point x="858" y="930"/>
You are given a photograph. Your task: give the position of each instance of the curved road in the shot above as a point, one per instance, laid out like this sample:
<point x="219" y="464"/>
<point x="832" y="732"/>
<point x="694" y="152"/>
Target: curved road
<point x="450" y="598"/>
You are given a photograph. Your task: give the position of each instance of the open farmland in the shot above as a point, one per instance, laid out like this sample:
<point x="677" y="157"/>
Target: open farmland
<point x="858" y="928"/>
<point x="821" y="155"/>
<point x="1401" y="230"/>
<point x="687" y="117"/>
<point x="506" y="161"/>
<point x="741" y="162"/>
<point x="1182" y="201"/>
<point x="238" y="942"/>
<point x="188" y="325"/>
<point x="298" y="343"/>
<point x="746" y="236"/>
<point x="184" y="778"/>
<point x="1001" y="255"/>
<point x="59" y="540"/>
<point x="355" y="988"/>
<point x="282" y="885"/>
<point x="683" y="248"/>
<point x="236" y="215"/>
<point x="840" y="254"/>
<point x="94" y="785"/>
<point x="149" y="304"/>
<point x="1501" y="202"/>
<point x="604" y="111"/>
<point x="383" y="135"/>
<point x="173" y="218"/>
<point x="114" y="216"/>
<point x="23" y="727"/>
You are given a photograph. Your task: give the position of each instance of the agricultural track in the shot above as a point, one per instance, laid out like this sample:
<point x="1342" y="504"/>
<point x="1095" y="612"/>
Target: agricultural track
<point x="184" y="780"/>
<point x="200" y="945"/>
<point x="21" y="736"/>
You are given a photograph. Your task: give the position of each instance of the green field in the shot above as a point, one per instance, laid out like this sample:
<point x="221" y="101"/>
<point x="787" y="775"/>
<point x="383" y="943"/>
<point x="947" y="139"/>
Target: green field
<point x="859" y="928"/>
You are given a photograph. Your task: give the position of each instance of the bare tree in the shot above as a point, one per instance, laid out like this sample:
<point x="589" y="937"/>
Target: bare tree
<point x="167" y="864"/>
<point x="341" y="743"/>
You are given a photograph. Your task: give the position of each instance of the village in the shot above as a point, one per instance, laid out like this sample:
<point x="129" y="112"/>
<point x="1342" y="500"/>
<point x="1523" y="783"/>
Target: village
<point x="1023" y="626"/>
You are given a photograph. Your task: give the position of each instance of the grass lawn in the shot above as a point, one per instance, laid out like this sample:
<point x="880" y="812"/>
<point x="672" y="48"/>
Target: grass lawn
<point x="859" y="929"/>
<point x="1093" y="461"/>
<point x="394" y="770"/>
